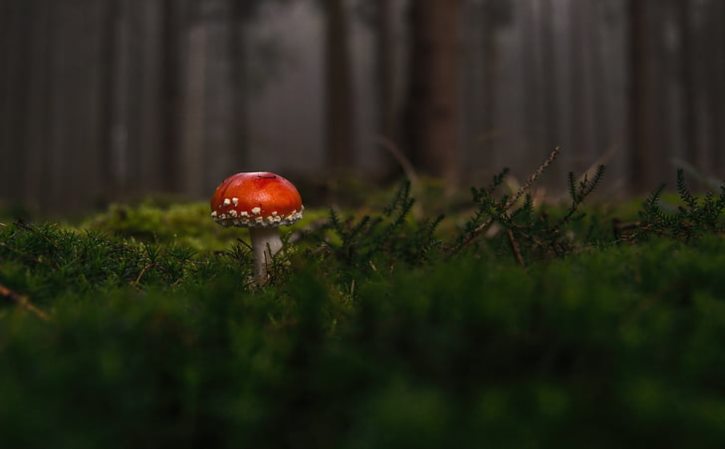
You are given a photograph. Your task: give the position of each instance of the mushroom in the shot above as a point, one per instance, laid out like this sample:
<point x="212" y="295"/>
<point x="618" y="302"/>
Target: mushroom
<point x="260" y="201"/>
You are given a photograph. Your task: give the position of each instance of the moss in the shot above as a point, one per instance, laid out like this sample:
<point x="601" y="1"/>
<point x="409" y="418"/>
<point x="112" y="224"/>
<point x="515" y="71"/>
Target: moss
<point x="371" y="334"/>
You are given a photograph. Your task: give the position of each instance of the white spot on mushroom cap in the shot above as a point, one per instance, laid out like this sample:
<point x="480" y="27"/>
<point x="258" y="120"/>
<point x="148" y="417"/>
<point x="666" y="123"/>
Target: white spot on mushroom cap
<point x="245" y="219"/>
<point x="235" y="200"/>
<point x="227" y="202"/>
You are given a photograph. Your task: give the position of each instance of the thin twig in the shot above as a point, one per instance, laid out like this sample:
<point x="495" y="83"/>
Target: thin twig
<point x="398" y="155"/>
<point x="515" y="249"/>
<point x="409" y="170"/>
<point x="510" y="203"/>
<point x="534" y="176"/>
<point x="23" y="302"/>
<point x="711" y="182"/>
<point x="249" y="247"/>
<point x="136" y="282"/>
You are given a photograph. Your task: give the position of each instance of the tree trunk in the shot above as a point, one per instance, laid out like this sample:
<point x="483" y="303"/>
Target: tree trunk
<point x="339" y="96"/>
<point x="109" y="74"/>
<point x="490" y="57"/>
<point x="242" y="13"/>
<point x="169" y="95"/>
<point x="385" y="67"/>
<point x="687" y="83"/>
<point x="16" y="100"/>
<point x="433" y="99"/>
<point x="602" y="131"/>
<point x="385" y="70"/>
<point x="640" y="99"/>
<point x="192" y="157"/>
<point x="717" y="98"/>
<point x="220" y="117"/>
<point x="582" y="126"/>
<point x="549" y="78"/>
<point x="7" y="42"/>
<point x="531" y="77"/>
<point x="37" y="124"/>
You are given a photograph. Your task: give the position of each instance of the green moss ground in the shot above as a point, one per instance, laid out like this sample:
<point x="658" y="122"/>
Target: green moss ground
<point x="156" y="339"/>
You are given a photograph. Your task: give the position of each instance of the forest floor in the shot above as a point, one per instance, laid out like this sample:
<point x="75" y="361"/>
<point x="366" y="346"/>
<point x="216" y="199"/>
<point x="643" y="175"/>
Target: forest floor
<point x="507" y="324"/>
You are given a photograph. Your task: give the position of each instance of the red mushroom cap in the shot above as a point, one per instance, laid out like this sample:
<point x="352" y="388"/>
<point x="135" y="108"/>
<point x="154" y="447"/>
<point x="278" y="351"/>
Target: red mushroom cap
<point x="256" y="199"/>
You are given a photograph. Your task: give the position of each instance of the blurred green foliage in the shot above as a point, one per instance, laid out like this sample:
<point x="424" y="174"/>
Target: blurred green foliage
<point x="370" y="335"/>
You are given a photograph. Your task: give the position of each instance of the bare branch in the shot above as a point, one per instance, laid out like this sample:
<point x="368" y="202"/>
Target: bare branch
<point x="23" y="302"/>
<point x="511" y="202"/>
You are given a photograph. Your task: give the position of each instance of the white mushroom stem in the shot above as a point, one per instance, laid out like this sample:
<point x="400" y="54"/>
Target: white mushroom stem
<point x="265" y="244"/>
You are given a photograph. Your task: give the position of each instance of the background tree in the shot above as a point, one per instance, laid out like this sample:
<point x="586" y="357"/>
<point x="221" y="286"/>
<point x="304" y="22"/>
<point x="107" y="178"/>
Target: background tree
<point x="640" y="97"/>
<point x="549" y="70"/>
<point x="339" y="96"/>
<point x="432" y="110"/>
<point x="715" y="45"/>
<point x="688" y="68"/>
<point x="119" y="99"/>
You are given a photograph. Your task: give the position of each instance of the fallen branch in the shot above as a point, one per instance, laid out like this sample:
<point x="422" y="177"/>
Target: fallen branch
<point x="23" y="302"/>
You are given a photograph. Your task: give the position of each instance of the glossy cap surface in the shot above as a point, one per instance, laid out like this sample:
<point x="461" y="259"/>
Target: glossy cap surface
<point x="256" y="199"/>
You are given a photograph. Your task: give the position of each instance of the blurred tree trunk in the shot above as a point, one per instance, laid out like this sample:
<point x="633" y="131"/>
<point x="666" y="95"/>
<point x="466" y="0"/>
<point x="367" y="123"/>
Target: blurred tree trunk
<point x="88" y="180"/>
<point x="37" y="125"/>
<point x="192" y="158"/>
<point x="531" y="76"/>
<point x="472" y="83"/>
<point x="142" y="40"/>
<point x="385" y="67"/>
<point x="59" y="107"/>
<point x="19" y="43"/>
<point x="243" y="12"/>
<point x="687" y="83"/>
<point x="720" y="150"/>
<point x="170" y="94"/>
<point x="211" y="149"/>
<point x="433" y="98"/>
<point x="582" y="109"/>
<point x="602" y="131"/>
<point x="385" y="70"/>
<point x="490" y="56"/>
<point x="135" y="84"/>
<point x="7" y="40"/>
<point x="715" y="41"/>
<point x="220" y="113"/>
<point x="640" y="99"/>
<point x="109" y="75"/>
<point x="120" y="98"/>
<point x="549" y="78"/>
<point x="339" y="95"/>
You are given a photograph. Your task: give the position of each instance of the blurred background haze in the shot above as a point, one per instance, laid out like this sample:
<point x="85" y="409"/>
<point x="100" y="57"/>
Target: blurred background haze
<point x="104" y="100"/>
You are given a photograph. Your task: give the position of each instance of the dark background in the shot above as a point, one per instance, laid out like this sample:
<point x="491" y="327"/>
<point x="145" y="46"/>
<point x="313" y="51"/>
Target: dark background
<point x="105" y="100"/>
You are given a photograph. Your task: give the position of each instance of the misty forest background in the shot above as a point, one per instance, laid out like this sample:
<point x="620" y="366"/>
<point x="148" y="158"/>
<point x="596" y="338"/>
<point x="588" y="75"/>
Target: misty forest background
<point x="105" y="100"/>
